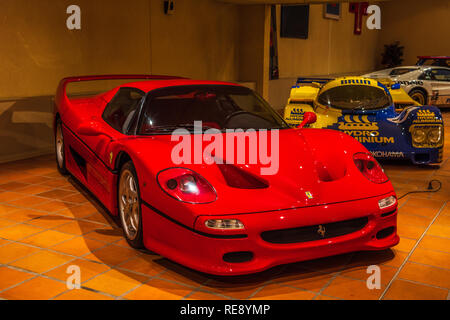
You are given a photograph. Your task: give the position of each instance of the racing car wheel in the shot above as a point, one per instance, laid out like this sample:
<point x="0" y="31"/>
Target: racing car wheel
<point x="419" y="96"/>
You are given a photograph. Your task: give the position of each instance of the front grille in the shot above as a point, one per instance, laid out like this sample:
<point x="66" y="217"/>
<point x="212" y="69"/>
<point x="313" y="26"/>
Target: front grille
<point x="314" y="233"/>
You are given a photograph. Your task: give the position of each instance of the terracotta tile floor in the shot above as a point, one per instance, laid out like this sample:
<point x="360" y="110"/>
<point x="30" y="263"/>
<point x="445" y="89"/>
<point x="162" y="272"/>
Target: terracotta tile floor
<point x="48" y="223"/>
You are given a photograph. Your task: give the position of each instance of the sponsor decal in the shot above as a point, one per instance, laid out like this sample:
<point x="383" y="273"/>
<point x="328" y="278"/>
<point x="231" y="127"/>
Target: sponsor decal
<point x="435" y="96"/>
<point x="387" y="154"/>
<point x="426" y="116"/>
<point x="363" y="130"/>
<point x="356" y="81"/>
<point x="309" y="195"/>
<point x="411" y="82"/>
<point x="295" y="116"/>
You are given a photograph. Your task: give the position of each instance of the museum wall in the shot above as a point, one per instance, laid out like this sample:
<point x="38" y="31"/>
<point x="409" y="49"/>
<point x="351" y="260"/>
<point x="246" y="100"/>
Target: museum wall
<point x="39" y="50"/>
<point x="422" y="27"/>
<point x="205" y="39"/>
<point x="200" y="40"/>
<point x="254" y="46"/>
<point x="318" y="56"/>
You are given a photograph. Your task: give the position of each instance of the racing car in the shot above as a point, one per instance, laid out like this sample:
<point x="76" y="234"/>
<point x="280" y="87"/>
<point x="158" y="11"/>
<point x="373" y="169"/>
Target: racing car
<point x="328" y="195"/>
<point x="425" y="83"/>
<point x="366" y="110"/>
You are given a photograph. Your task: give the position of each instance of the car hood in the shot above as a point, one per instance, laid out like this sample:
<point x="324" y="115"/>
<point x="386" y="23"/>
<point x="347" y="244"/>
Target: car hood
<point x="315" y="167"/>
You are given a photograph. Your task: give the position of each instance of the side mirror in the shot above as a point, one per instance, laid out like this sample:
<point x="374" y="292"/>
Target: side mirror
<point x="91" y="129"/>
<point x="308" y="118"/>
<point x="395" y="86"/>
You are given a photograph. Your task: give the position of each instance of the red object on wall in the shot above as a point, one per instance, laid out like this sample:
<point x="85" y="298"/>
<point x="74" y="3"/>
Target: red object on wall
<point x="360" y="10"/>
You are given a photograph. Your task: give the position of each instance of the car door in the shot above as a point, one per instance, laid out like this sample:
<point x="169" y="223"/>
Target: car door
<point x="117" y="118"/>
<point x="440" y="86"/>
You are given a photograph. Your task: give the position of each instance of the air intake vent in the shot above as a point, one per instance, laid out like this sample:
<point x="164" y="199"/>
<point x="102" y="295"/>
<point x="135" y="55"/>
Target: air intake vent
<point x="238" y="257"/>
<point x="385" y="233"/>
<point x="314" y="233"/>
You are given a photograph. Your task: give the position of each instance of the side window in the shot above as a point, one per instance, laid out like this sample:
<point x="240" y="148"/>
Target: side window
<point x="121" y="110"/>
<point x="441" y="74"/>
<point x="426" y="75"/>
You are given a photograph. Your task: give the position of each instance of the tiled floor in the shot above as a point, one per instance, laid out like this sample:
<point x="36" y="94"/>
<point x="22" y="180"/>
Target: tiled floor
<point x="48" y="223"/>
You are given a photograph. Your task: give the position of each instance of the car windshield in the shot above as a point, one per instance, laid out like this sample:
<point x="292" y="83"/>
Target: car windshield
<point x="355" y="97"/>
<point x="217" y="106"/>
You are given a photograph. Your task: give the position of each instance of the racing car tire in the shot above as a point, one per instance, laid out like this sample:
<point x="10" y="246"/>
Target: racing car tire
<point x="418" y="95"/>
<point x="133" y="218"/>
<point x="60" y="151"/>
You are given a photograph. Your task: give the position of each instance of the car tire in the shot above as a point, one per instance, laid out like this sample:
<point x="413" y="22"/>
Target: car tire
<point x="60" y="148"/>
<point x="418" y="96"/>
<point x="129" y="205"/>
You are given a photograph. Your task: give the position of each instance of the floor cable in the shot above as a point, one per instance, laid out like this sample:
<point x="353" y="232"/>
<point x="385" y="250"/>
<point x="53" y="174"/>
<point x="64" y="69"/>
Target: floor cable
<point x="429" y="189"/>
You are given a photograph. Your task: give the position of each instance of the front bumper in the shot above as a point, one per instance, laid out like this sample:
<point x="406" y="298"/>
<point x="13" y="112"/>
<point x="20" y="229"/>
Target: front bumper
<point x="206" y="253"/>
<point x="417" y="156"/>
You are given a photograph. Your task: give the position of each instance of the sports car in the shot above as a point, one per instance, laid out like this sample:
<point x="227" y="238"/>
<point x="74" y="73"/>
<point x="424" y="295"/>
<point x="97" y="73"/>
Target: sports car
<point x="327" y="196"/>
<point x="366" y="110"/>
<point x="426" y="84"/>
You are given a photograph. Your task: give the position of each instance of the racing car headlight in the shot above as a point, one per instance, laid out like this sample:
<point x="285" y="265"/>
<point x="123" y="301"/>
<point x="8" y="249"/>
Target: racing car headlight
<point x="419" y="135"/>
<point x="369" y="167"/>
<point x="435" y="135"/>
<point x="186" y="185"/>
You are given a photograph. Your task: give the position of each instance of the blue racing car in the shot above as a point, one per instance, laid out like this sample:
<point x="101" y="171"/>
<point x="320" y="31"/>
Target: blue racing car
<point x="369" y="111"/>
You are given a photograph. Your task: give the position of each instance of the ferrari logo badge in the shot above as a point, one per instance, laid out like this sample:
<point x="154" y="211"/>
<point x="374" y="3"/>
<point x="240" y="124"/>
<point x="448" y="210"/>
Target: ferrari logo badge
<point x="111" y="155"/>
<point x="309" y="195"/>
<point x="321" y="231"/>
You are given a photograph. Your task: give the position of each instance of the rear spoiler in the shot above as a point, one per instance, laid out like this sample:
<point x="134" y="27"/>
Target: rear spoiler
<point x="61" y="95"/>
<point x="311" y="80"/>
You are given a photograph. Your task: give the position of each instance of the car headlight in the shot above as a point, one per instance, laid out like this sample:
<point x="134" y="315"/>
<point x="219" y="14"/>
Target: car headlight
<point x="186" y="185"/>
<point x="427" y="136"/>
<point x="419" y="135"/>
<point x="435" y="135"/>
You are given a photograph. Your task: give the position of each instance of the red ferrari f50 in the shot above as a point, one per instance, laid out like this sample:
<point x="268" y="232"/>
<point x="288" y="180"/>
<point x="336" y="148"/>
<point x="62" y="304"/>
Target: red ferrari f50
<point x="328" y="195"/>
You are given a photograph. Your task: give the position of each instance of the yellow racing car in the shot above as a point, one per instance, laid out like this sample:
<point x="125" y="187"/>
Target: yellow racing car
<point x="366" y="110"/>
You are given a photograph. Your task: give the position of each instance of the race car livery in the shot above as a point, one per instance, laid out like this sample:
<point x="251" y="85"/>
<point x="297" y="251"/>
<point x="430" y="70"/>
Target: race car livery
<point x="365" y="109"/>
<point x="426" y="84"/>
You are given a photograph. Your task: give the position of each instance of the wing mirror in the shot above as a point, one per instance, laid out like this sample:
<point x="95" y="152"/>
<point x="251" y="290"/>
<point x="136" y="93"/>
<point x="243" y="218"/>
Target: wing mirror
<point x="395" y="86"/>
<point x="308" y="118"/>
<point x="92" y="129"/>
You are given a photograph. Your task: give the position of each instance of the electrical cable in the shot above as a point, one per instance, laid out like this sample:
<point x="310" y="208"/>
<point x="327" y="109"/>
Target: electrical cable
<point x="429" y="189"/>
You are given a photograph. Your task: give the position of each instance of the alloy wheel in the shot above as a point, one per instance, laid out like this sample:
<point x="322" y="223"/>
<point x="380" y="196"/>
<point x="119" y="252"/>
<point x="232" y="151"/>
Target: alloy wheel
<point x="129" y="204"/>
